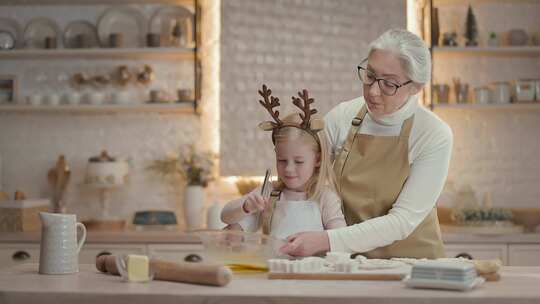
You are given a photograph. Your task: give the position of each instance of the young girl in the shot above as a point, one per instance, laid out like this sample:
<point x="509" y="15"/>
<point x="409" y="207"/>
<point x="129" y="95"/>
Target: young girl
<point x="304" y="197"/>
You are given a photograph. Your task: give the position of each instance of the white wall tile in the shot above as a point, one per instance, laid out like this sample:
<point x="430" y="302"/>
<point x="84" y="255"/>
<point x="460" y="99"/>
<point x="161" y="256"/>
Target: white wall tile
<point x="289" y="45"/>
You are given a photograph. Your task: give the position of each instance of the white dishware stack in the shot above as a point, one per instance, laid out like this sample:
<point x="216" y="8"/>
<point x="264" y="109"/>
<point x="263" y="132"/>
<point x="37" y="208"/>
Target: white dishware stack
<point x="434" y="274"/>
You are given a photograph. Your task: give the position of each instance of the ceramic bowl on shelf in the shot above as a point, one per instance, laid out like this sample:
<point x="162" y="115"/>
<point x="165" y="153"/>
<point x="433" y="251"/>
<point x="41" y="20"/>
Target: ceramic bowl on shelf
<point x="41" y="33"/>
<point x="80" y="34"/>
<point x="7" y="40"/>
<point x="126" y="22"/>
<point x="154" y="217"/>
<point x="13" y="28"/>
<point x="174" y="24"/>
<point x="517" y="37"/>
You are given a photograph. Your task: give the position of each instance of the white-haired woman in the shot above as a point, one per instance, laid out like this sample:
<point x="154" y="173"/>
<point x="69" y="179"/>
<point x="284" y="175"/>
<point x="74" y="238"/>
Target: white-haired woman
<point x="391" y="159"/>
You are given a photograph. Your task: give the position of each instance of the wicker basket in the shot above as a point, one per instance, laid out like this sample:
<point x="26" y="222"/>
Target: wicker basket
<point x="22" y="216"/>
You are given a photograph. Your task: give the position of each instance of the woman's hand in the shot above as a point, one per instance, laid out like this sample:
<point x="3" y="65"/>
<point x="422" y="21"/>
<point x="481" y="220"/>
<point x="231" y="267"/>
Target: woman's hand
<point x="255" y="203"/>
<point x="306" y="243"/>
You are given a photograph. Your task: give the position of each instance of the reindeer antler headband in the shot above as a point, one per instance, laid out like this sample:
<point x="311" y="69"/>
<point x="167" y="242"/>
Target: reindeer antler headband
<point x="312" y="126"/>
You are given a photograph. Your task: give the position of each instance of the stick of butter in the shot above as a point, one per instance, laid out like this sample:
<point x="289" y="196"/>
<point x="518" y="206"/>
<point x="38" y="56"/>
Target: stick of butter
<point x="138" y="268"/>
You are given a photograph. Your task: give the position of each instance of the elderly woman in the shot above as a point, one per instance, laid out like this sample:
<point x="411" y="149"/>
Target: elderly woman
<point x="391" y="159"/>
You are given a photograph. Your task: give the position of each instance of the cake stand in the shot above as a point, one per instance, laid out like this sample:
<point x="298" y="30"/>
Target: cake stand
<point x="106" y="221"/>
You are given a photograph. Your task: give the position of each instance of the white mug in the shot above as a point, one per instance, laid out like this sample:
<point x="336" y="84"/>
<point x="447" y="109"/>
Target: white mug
<point x="34" y="99"/>
<point x="52" y="99"/>
<point x="97" y="98"/>
<point x="72" y="98"/>
<point x="59" y="248"/>
<point x="121" y="97"/>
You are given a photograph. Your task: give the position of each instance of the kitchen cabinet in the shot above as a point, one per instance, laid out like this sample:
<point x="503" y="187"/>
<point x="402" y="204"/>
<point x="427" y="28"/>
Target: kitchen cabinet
<point x="524" y="254"/>
<point x="480" y="251"/>
<point x="18" y="253"/>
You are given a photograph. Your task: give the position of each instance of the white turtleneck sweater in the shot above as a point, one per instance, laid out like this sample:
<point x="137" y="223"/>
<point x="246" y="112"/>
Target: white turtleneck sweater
<point x="430" y="146"/>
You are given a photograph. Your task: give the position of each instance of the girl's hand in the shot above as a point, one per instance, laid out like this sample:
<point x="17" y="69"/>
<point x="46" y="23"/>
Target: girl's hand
<point x="255" y="203"/>
<point x="306" y="243"/>
<point x="233" y="227"/>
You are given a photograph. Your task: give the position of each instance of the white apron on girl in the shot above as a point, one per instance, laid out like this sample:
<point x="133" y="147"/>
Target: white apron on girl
<point x="289" y="217"/>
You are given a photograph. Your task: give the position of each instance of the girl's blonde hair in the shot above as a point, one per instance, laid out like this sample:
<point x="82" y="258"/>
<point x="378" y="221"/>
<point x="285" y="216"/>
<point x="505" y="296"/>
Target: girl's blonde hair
<point x="323" y="176"/>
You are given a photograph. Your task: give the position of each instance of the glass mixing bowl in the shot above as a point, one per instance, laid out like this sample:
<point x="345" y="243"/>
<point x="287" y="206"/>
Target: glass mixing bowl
<point x="240" y="249"/>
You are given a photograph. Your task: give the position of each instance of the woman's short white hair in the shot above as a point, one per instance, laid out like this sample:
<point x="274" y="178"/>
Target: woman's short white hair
<point x="411" y="50"/>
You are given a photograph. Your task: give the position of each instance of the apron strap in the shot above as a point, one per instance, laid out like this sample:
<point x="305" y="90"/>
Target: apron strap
<point x="342" y="155"/>
<point x="406" y="128"/>
<point x="268" y="213"/>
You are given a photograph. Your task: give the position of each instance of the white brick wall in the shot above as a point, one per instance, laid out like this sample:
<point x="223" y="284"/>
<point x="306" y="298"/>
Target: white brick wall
<point x="290" y="45"/>
<point x="496" y="151"/>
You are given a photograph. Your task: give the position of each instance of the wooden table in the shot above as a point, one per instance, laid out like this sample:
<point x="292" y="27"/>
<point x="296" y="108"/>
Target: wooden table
<point x="22" y="284"/>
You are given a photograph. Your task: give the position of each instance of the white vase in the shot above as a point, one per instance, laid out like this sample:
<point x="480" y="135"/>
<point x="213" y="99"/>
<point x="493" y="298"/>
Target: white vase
<point x="193" y="206"/>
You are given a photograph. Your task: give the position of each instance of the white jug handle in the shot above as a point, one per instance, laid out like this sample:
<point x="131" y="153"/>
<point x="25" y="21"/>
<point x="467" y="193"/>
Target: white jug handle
<point x="83" y="236"/>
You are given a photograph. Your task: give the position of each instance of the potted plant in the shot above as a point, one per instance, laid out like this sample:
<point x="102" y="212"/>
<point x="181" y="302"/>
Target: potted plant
<point x="195" y="169"/>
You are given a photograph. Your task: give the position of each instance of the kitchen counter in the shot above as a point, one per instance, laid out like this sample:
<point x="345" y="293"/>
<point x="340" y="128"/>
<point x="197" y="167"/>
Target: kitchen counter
<point x="22" y="284"/>
<point x="180" y="237"/>
<point x="513" y="238"/>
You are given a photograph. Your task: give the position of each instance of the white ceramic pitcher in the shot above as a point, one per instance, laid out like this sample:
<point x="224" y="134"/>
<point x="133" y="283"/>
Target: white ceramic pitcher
<point x="59" y="250"/>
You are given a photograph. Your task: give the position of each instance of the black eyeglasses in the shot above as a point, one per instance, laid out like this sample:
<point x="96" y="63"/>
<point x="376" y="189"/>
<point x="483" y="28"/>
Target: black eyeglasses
<point x="388" y="88"/>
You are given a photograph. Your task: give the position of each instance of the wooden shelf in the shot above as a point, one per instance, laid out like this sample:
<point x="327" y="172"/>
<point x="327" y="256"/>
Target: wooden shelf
<point x="94" y="2"/>
<point x="479" y="2"/>
<point x="186" y="107"/>
<point x="103" y="53"/>
<point x="496" y="51"/>
<point x="508" y="106"/>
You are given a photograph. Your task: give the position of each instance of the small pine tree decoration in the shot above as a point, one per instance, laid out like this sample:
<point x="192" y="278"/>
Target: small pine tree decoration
<point x="471" y="30"/>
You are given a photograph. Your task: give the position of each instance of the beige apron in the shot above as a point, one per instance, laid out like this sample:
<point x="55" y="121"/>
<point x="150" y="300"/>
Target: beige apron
<point x="371" y="171"/>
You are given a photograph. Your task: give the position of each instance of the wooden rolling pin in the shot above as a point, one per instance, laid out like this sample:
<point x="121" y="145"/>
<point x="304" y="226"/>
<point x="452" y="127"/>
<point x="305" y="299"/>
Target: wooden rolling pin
<point x="197" y="273"/>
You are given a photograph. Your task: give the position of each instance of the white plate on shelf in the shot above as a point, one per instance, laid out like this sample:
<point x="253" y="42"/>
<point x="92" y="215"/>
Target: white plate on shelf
<point x="128" y="21"/>
<point x="80" y="27"/>
<point x="37" y="30"/>
<point x="164" y="20"/>
<point x="11" y="26"/>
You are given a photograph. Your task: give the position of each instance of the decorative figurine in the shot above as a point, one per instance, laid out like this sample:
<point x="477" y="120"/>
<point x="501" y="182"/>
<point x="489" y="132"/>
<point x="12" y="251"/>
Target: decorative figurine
<point x="471" y="30"/>
<point x="450" y="39"/>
